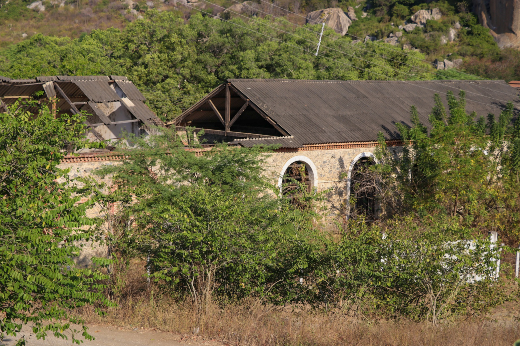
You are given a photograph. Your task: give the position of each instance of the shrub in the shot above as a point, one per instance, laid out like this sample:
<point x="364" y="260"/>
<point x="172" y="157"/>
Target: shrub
<point x="42" y="225"/>
<point x="437" y="26"/>
<point x="400" y="11"/>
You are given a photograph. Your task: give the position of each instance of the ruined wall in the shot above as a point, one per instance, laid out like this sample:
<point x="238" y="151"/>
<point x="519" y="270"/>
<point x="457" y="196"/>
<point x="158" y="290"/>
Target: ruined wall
<point x="326" y="167"/>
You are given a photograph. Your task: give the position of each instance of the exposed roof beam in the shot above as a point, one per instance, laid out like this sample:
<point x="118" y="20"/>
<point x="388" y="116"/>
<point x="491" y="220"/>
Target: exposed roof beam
<point x="76" y="111"/>
<point x="223" y="133"/>
<point x="228" y="108"/>
<point x="261" y="112"/>
<point x="217" y="112"/>
<point x="197" y="105"/>
<point x="117" y="122"/>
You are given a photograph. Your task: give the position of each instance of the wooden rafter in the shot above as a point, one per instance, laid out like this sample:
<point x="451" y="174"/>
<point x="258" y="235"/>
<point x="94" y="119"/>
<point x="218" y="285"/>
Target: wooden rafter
<point x="197" y="105"/>
<point x="217" y="112"/>
<point x="228" y="109"/>
<point x="76" y="111"/>
<point x="220" y="132"/>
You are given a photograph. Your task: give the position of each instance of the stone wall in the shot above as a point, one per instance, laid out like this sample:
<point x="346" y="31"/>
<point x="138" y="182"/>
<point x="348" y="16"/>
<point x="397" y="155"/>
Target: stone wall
<point x="327" y="168"/>
<point x="83" y="170"/>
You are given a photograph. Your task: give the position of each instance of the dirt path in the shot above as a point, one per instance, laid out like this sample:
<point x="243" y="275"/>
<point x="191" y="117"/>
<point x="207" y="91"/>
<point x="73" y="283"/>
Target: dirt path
<point x="114" y="336"/>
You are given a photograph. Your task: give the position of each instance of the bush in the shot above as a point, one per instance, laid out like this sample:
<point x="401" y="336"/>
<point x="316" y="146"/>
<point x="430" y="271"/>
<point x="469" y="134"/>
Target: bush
<point x="207" y="224"/>
<point x="437" y="26"/>
<point x="400" y="11"/>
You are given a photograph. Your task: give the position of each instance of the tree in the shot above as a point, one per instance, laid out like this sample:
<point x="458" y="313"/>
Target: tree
<point x="457" y="166"/>
<point x="42" y="224"/>
<point x="208" y="221"/>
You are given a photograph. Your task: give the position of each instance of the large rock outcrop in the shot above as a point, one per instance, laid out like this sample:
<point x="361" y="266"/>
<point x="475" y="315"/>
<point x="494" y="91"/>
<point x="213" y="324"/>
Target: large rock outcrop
<point x="420" y="17"/>
<point x="334" y="18"/>
<point x="502" y="17"/>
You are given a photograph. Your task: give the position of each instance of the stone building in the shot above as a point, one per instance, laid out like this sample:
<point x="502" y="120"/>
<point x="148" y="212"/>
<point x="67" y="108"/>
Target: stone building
<point x="326" y="130"/>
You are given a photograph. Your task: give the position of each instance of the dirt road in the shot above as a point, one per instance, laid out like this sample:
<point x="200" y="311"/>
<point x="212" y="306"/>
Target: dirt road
<point x="114" y="336"/>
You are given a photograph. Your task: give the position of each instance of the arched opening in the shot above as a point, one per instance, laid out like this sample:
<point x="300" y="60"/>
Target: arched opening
<point x="296" y="178"/>
<point x="363" y="190"/>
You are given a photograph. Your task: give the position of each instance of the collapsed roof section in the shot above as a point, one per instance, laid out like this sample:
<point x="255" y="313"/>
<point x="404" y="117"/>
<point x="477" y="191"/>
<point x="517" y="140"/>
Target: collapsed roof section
<point x="113" y="103"/>
<point x="294" y="113"/>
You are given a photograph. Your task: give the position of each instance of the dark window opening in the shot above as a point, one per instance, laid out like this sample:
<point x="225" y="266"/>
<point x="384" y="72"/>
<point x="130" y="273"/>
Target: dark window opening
<point x="363" y="190"/>
<point x="296" y="183"/>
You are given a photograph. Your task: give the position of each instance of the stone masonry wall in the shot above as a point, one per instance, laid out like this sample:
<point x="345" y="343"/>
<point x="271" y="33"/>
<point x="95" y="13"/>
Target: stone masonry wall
<point x="326" y="167"/>
<point x="326" y="175"/>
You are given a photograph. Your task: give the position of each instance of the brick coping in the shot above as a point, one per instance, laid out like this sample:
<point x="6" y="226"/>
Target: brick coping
<point x="115" y="156"/>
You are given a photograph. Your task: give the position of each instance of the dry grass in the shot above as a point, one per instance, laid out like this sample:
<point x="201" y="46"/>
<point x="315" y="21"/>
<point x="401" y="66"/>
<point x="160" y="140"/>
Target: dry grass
<point x="254" y="323"/>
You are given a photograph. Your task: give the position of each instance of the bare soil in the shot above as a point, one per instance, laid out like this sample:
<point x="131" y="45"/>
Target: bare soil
<point x="116" y="336"/>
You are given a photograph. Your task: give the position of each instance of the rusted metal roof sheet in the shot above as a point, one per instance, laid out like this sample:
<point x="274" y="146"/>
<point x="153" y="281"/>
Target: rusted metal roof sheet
<point x="130" y="90"/>
<point x="22" y="81"/>
<point x="46" y="78"/>
<point x="116" y="78"/>
<point x="315" y="112"/>
<point x="12" y="91"/>
<point x="97" y="90"/>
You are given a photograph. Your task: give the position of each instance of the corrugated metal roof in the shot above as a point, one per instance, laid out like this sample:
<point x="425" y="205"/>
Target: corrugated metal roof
<point x="116" y="78"/>
<point x="84" y="78"/>
<point x="130" y="90"/>
<point x="142" y="112"/>
<point x="12" y="90"/>
<point x="22" y="81"/>
<point x="97" y="90"/>
<point x="348" y="111"/>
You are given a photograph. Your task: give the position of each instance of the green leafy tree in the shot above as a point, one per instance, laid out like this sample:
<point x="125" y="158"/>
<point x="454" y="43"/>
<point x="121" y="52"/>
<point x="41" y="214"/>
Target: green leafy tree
<point x="208" y="221"/>
<point x="456" y="166"/>
<point x="42" y="224"/>
<point x="175" y="63"/>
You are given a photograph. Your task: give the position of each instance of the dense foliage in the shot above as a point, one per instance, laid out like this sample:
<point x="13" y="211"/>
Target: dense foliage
<point x="42" y="225"/>
<point x="207" y="224"/>
<point x="457" y="167"/>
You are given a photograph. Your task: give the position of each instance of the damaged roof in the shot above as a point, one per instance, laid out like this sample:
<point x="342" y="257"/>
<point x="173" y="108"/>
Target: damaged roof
<point x="319" y="112"/>
<point x="94" y="94"/>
